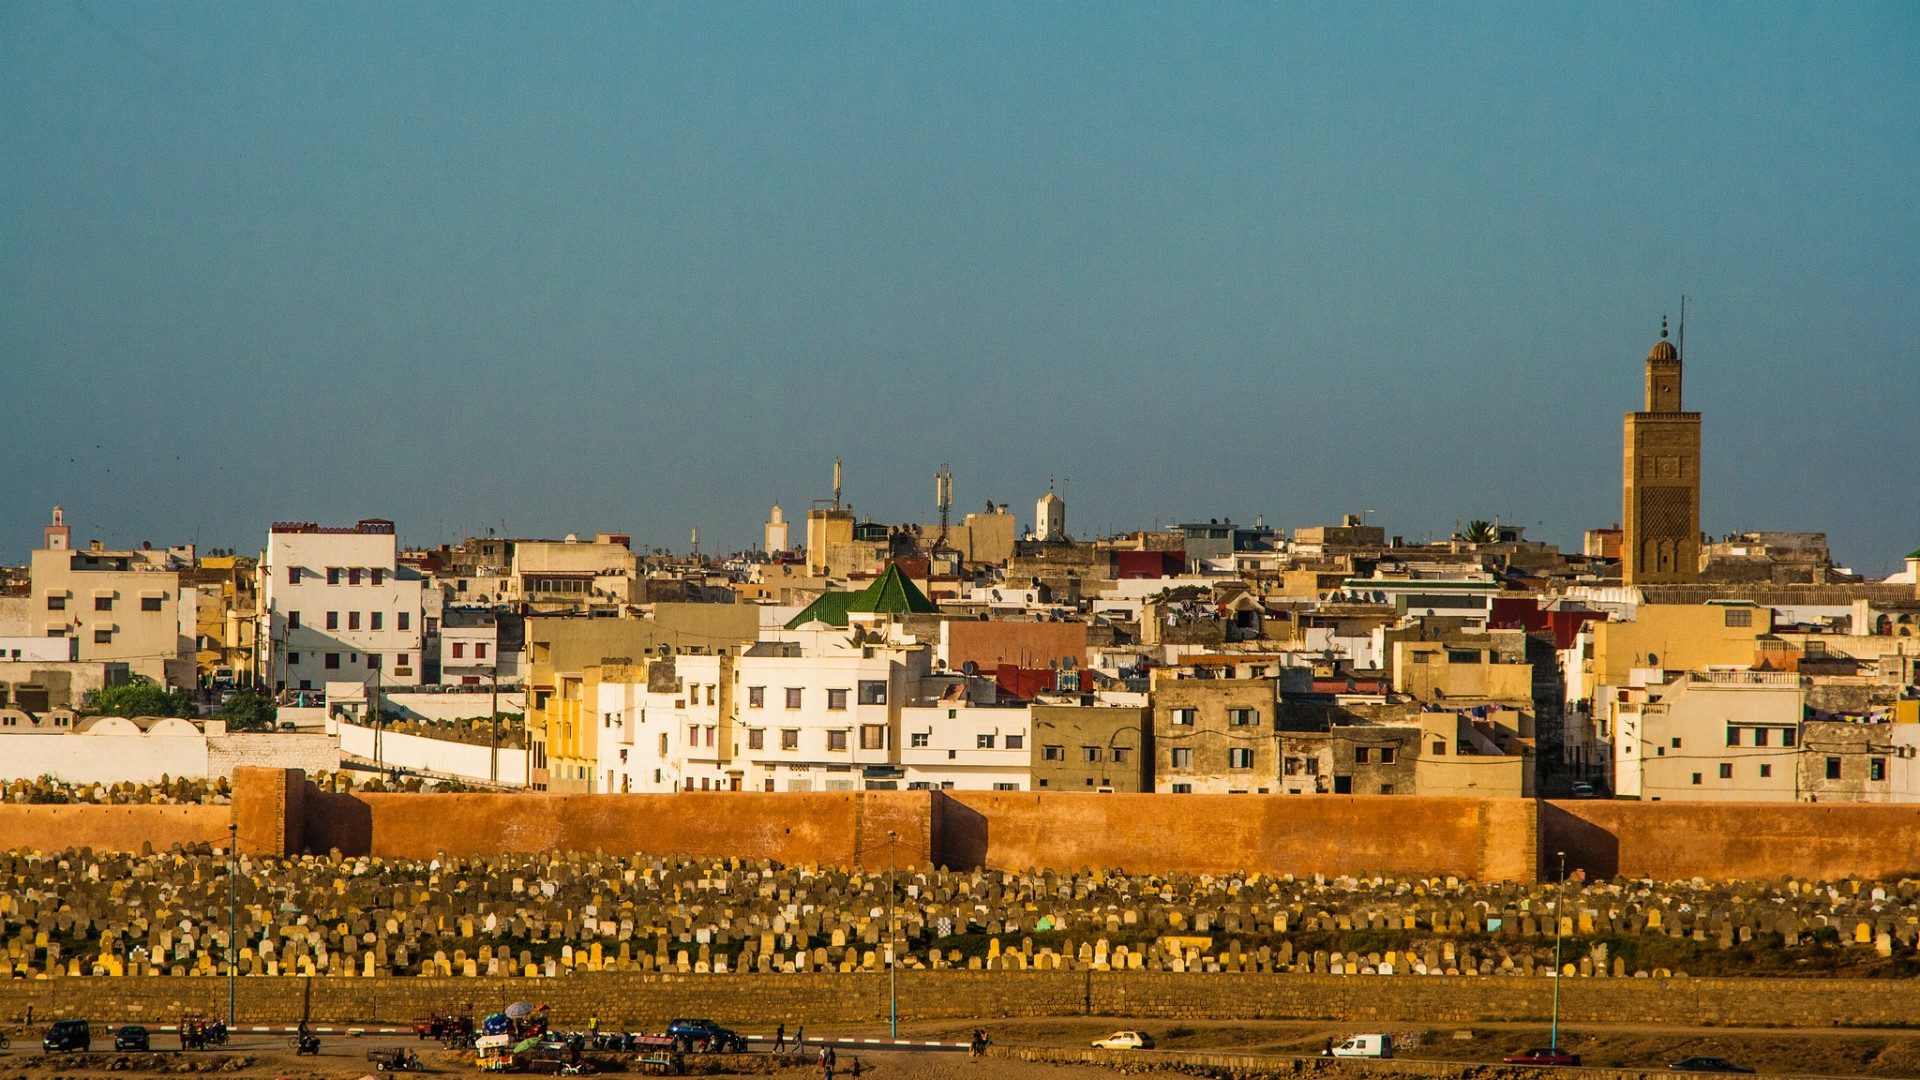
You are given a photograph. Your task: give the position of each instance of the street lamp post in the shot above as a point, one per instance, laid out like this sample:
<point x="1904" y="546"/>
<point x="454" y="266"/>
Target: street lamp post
<point x="893" y="985"/>
<point x="233" y="909"/>
<point x="1559" y="906"/>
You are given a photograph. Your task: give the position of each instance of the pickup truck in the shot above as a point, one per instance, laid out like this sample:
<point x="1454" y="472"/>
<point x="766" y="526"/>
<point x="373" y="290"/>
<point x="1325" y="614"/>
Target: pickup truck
<point x="705" y="1035"/>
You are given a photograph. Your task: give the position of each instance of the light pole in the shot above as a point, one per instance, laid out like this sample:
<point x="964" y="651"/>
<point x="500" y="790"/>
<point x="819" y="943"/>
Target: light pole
<point x="233" y="843"/>
<point x="893" y="984"/>
<point x="1559" y="905"/>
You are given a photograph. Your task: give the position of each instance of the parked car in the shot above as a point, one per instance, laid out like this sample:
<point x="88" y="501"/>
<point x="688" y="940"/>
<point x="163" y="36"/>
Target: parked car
<point x="1365" y="1046"/>
<point x="1584" y="790"/>
<point x="1708" y="1064"/>
<point x="1125" y="1040"/>
<point x="1541" y="1055"/>
<point x="706" y="1036"/>
<point x="132" y="1037"/>
<point x="66" y="1036"/>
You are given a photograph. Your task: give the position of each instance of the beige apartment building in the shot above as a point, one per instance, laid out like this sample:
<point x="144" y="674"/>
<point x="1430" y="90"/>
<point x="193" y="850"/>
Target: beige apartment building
<point x="1214" y="735"/>
<point x="1730" y="736"/>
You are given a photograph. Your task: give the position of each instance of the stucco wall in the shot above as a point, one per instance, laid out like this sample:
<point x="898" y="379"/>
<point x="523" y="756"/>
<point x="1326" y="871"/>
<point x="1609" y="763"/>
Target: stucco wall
<point x="471" y="760"/>
<point x="110" y="828"/>
<point x="1481" y="838"/>
<point x="1722" y="841"/>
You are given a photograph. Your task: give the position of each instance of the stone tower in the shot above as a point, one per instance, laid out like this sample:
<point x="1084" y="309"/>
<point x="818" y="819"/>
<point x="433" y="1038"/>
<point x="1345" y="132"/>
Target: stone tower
<point x="1661" y="480"/>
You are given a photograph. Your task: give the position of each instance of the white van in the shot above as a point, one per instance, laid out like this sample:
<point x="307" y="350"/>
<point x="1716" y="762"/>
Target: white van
<point x="1365" y="1046"/>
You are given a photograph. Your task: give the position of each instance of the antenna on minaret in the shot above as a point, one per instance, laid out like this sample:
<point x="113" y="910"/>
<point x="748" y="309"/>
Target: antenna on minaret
<point x="1680" y="347"/>
<point x="836" y="483"/>
<point x="696" y="541"/>
<point x="943" y="497"/>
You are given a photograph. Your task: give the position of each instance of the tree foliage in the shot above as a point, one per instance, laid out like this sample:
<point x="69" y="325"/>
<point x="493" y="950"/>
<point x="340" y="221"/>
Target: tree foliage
<point x="249" y="712"/>
<point x="140" y="696"/>
<point x="1481" y="532"/>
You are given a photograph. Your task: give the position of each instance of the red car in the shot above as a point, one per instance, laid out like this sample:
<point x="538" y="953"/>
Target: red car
<point x="1541" y="1055"/>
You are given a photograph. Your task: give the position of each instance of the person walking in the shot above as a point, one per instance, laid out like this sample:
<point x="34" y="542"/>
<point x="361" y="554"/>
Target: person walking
<point x="853" y="1069"/>
<point x="826" y="1062"/>
<point x="799" y="1038"/>
<point x="780" y="1036"/>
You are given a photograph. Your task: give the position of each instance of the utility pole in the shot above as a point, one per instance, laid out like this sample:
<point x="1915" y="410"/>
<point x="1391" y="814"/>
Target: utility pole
<point x="373" y="709"/>
<point x="1559" y="906"/>
<point x="494" y="769"/>
<point x="233" y="909"/>
<point x="893" y="984"/>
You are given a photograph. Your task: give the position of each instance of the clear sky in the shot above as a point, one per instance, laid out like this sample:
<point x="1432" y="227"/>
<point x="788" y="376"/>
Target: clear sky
<point x="645" y="267"/>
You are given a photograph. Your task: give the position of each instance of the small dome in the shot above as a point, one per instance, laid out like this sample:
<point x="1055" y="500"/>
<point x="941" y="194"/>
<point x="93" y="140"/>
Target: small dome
<point x="1663" y="350"/>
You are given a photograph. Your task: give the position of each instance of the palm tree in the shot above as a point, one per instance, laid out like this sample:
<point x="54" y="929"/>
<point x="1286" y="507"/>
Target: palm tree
<point x="1481" y="532"/>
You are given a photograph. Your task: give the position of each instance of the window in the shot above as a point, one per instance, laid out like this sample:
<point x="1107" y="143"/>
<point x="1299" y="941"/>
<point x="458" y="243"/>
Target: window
<point x="711" y="687"/>
<point x="353" y="576"/>
<point x="333" y="575"/>
<point x="1182" y="758"/>
<point x="379" y="621"/>
<point x="920" y="739"/>
<point x="1422" y="658"/>
<point x="873" y="736"/>
<point x="103" y="603"/>
<point x="1726" y="770"/>
<point x="293" y="620"/>
<point x="1053" y="753"/>
<point x="983" y="741"/>
<point x="333" y="620"/>
<point x="837" y="740"/>
<point x="837" y="700"/>
<point x="1120" y="754"/>
<point x="479" y="647"/>
<point x="293" y="658"/>
<point x="379" y="575"/>
<point x="793" y="697"/>
<point x="1183" y="718"/>
<point x="1386" y="755"/>
<point x="293" y="575"/>
<point x="1787" y="736"/>
<point x="756" y="738"/>
<point x="1016" y="742"/>
<point x="789" y="738"/>
<point x="404" y="620"/>
<point x="1676" y="742"/>
<point x="1439" y="748"/>
<point x="373" y="661"/>
<point x="1361" y="754"/>
<point x="353" y="620"/>
<point x="400" y="660"/>
<point x="103" y="636"/>
<point x="1833" y="768"/>
<point x="1760" y="736"/>
<point x="1092" y="754"/>
<point x="1696" y="779"/>
<point x="1006" y="787"/>
<point x="150" y="603"/>
<point x="333" y="661"/>
<point x="56" y="602"/>
<point x="1183" y="789"/>
<point x="1243" y="717"/>
<point x="1739" y="616"/>
<point x="1733" y="736"/>
<point x="1766" y="771"/>
<point x="1877" y="768"/>
<point x="756" y="697"/>
<point x="1239" y="757"/>
<point x="873" y="691"/>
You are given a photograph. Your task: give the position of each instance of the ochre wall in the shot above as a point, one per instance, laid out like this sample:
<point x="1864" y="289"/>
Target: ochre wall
<point x="110" y="828"/>
<point x="799" y="827"/>
<point x="1725" y="841"/>
<point x="1361" y="834"/>
<point x="757" y="1002"/>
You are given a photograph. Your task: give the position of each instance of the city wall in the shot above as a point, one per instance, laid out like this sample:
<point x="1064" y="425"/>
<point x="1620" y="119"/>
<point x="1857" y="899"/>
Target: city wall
<point x="278" y="811"/>
<point x="629" y="1001"/>
<point x="1726" y="841"/>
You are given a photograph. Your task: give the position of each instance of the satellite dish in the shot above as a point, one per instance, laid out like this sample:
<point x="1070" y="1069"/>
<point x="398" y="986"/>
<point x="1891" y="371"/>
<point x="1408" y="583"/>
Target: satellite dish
<point x="970" y="668"/>
<point x="1068" y="662"/>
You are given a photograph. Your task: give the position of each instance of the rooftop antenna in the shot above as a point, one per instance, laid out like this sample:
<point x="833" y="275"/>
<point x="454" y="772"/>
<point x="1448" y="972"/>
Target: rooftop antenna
<point x="696" y="541"/>
<point x="1680" y="347"/>
<point x="836" y="483"/>
<point x="943" y="497"/>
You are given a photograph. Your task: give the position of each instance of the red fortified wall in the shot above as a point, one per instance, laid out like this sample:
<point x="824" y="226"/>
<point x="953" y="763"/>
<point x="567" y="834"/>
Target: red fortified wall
<point x="1730" y="841"/>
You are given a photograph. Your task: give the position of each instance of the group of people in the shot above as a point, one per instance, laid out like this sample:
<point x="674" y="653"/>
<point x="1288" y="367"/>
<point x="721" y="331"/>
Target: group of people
<point x="198" y="1033"/>
<point x="829" y="1060"/>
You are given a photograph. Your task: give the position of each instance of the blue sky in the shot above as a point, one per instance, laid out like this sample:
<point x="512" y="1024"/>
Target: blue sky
<point x="642" y="268"/>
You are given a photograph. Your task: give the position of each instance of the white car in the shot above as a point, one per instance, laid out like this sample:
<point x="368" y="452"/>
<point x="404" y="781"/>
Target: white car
<point x="1125" y="1040"/>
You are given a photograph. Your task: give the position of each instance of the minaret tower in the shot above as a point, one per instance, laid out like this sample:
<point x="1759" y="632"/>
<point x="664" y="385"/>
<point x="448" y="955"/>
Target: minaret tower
<point x="1661" y="479"/>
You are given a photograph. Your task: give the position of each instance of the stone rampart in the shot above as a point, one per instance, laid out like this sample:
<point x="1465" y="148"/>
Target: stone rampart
<point x="1731" y="841"/>
<point x="110" y="827"/>
<point x="643" y="1001"/>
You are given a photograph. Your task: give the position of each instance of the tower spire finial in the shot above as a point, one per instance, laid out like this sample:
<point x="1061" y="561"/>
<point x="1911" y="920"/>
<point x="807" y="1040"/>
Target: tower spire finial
<point x="1663" y="326"/>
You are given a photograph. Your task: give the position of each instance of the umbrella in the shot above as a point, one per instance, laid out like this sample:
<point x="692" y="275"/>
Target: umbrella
<point x="520" y="1010"/>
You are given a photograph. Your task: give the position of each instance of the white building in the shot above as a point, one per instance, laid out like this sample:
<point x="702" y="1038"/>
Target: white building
<point x="816" y="712"/>
<point x="958" y="746"/>
<point x="340" y="607"/>
<point x="1050" y="518"/>
<point x="1730" y="736"/>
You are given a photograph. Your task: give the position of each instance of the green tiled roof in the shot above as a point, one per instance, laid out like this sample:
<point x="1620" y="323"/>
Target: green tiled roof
<point x="828" y="607"/>
<point x="891" y="593"/>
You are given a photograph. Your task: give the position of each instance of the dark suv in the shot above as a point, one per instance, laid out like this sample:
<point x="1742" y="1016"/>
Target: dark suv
<point x="132" y="1037"/>
<point x="705" y="1035"/>
<point x="67" y="1035"/>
